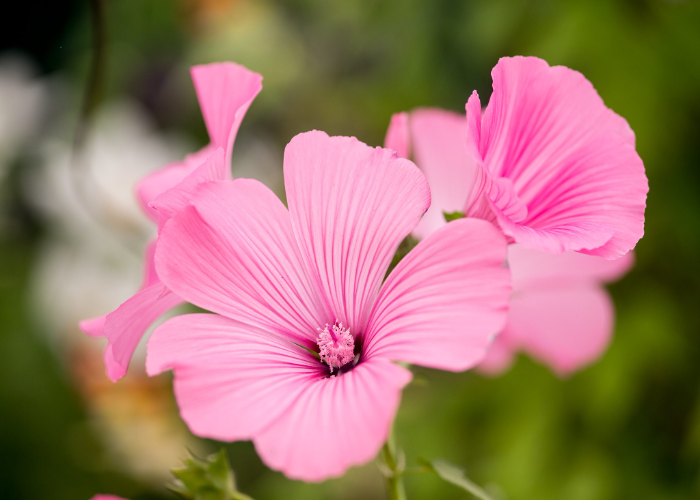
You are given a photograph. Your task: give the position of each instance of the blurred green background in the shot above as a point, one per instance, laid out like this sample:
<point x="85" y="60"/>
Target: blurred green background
<point x="626" y="427"/>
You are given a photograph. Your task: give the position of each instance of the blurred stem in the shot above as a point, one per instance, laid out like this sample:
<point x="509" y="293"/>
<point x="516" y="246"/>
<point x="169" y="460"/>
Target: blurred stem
<point x="392" y="470"/>
<point x="96" y="71"/>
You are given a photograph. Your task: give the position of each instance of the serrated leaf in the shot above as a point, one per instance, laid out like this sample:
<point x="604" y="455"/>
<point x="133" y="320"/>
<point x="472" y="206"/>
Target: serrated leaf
<point x="210" y="478"/>
<point x="455" y="475"/>
<point x="450" y="216"/>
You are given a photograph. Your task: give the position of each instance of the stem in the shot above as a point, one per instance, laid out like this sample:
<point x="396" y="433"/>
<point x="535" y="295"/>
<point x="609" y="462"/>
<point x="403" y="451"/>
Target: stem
<point x="392" y="471"/>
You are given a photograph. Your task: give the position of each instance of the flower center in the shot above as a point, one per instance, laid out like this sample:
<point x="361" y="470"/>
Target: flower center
<point x="336" y="345"/>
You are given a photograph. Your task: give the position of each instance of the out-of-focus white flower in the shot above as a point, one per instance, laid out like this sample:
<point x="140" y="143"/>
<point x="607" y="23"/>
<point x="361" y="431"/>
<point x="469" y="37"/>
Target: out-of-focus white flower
<point x="90" y="261"/>
<point x="23" y="100"/>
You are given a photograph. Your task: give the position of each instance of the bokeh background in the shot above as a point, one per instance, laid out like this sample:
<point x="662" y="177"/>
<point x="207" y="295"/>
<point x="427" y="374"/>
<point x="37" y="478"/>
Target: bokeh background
<point x="71" y="235"/>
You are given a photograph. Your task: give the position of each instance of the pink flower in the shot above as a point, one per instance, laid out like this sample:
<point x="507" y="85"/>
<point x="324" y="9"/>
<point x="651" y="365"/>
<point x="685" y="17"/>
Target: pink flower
<point x="554" y="168"/>
<point x="107" y="497"/>
<point x="560" y="313"/>
<point x="225" y="91"/>
<point x="299" y="357"/>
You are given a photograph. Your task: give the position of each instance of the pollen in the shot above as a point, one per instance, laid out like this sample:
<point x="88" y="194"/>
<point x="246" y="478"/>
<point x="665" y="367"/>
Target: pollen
<point x="336" y="345"/>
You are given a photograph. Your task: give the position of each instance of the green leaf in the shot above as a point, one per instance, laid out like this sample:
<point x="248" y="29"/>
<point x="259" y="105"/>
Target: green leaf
<point x="450" y="216"/>
<point x="206" y="479"/>
<point x="405" y="246"/>
<point x="453" y="474"/>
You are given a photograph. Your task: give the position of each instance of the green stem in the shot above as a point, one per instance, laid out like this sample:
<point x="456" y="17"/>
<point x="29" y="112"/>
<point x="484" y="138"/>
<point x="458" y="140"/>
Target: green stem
<point x="392" y="471"/>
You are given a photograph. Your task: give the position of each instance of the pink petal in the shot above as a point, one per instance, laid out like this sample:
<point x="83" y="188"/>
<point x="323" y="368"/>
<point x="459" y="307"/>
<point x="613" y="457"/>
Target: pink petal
<point x="233" y="252"/>
<point x="107" y="497"/>
<point x="232" y="381"/>
<point x="176" y="198"/>
<point x="439" y="150"/>
<point x="398" y="136"/>
<point x="499" y="357"/>
<point x="533" y="269"/>
<point x="571" y="160"/>
<point x="95" y="327"/>
<point x="445" y="301"/>
<point x="335" y="423"/>
<point x="169" y="176"/>
<point x="351" y="206"/>
<point x="150" y="277"/>
<point x="565" y="328"/>
<point x="225" y="92"/>
<point x="125" y="326"/>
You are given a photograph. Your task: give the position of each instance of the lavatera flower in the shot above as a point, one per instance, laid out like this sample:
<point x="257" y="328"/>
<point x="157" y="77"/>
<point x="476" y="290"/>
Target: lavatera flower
<point x="560" y="313"/>
<point x="225" y="91"/>
<point x="300" y="355"/>
<point x="548" y="162"/>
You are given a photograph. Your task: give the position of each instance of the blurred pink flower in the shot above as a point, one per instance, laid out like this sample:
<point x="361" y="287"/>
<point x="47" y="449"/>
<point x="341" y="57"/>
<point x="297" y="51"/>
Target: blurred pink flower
<point x="107" y="497"/>
<point x="560" y="313"/>
<point x="299" y="356"/>
<point x="553" y="167"/>
<point x="225" y="91"/>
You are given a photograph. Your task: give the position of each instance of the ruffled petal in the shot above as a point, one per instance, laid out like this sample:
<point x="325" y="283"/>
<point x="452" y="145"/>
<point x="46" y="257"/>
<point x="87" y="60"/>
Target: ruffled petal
<point x="125" y="326"/>
<point x="233" y="252"/>
<point x="564" y="328"/>
<point x="534" y="269"/>
<point x="176" y="198"/>
<point x="351" y="206"/>
<point x="159" y="181"/>
<point x="335" y="423"/>
<point x="444" y="302"/>
<point x="232" y="381"/>
<point x="571" y="160"/>
<point x="225" y="92"/>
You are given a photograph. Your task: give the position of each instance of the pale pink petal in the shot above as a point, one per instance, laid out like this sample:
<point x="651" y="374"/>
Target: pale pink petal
<point x="232" y="381"/>
<point x="571" y="160"/>
<point x="398" y="135"/>
<point x="499" y="357"/>
<point x="439" y="150"/>
<point x="534" y="269"/>
<point x="233" y="252"/>
<point x="150" y="277"/>
<point x="158" y="182"/>
<point x="176" y="198"/>
<point x="351" y="206"/>
<point x="225" y="92"/>
<point x="335" y="423"/>
<point x="565" y="328"/>
<point x="445" y="301"/>
<point x="125" y="326"/>
<point x="95" y="327"/>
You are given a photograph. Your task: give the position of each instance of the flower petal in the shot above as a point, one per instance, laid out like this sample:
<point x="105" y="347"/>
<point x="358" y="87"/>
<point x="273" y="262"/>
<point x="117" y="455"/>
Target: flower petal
<point x="125" y="326"/>
<point x="335" y="423"/>
<point x="444" y="302"/>
<point x="158" y="182"/>
<point x="225" y="92"/>
<point x="231" y="380"/>
<point x="398" y="136"/>
<point x="564" y="328"/>
<point x="533" y="269"/>
<point x="351" y="206"/>
<point x="176" y="198"/>
<point x="233" y="252"/>
<point x="439" y="150"/>
<point x="499" y="357"/>
<point x="571" y="160"/>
